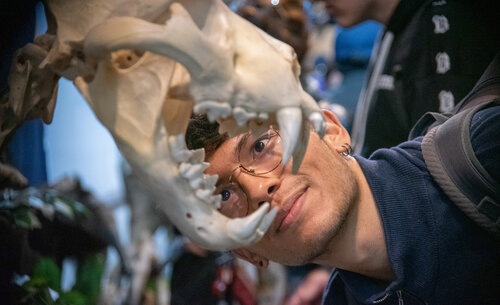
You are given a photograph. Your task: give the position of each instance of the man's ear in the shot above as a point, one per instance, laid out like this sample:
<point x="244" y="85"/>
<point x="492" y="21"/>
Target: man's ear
<point x="252" y="258"/>
<point x="336" y="136"/>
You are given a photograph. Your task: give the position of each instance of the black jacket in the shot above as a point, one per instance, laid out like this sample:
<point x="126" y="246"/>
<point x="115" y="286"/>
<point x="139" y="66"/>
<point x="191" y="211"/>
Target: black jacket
<point x="430" y="56"/>
<point x="439" y="256"/>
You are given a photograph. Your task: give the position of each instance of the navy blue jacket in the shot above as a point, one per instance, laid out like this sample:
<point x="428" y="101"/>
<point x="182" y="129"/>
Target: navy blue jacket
<point x="438" y="255"/>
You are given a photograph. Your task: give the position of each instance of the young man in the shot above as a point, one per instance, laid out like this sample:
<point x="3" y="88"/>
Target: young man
<point x="430" y="55"/>
<point x="383" y="223"/>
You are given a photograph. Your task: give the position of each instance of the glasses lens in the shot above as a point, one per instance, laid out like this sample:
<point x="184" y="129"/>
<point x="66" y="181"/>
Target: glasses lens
<point x="261" y="154"/>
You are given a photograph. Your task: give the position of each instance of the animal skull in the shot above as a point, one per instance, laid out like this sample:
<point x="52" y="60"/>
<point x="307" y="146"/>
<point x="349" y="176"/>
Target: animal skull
<point x="144" y="65"/>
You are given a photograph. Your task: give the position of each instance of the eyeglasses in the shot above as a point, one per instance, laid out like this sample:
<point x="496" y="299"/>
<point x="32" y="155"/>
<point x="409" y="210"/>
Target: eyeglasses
<point x="258" y="155"/>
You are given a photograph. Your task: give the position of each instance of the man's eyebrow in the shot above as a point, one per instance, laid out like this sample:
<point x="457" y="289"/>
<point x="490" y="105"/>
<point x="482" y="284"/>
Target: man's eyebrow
<point x="242" y="141"/>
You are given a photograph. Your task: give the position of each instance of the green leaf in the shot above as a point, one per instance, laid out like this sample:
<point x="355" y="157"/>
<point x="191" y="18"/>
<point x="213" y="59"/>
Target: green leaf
<point x="64" y="208"/>
<point x="72" y="297"/>
<point x="46" y="272"/>
<point x="25" y="218"/>
<point x="88" y="277"/>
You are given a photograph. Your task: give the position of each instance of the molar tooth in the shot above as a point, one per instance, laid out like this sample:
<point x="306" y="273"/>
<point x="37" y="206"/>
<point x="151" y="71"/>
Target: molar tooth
<point x="177" y="147"/>
<point x="195" y="183"/>
<point x="192" y="171"/>
<point x="203" y="195"/>
<point x="209" y="181"/>
<point x="181" y="155"/>
<point x="318" y="122"/>
<point x="289" y="121"/>
<point x="214" y="110"/>
<point x="264" y="116"/>
<point x="216" y="201"/>
<point x="242" y="116"/>
<point x="198" y="155"/>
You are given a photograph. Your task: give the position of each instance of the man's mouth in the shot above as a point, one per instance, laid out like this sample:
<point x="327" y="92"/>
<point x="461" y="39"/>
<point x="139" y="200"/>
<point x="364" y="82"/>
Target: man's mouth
<point x="290" y="210"/>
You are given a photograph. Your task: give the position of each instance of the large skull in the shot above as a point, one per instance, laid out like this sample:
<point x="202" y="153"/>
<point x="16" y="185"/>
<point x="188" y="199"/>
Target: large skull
<point x="143" y="66"/>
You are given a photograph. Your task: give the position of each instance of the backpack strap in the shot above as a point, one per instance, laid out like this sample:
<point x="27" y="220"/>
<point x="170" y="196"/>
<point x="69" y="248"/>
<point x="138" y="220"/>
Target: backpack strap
<point x="450" y="158"/>
<point x="427" y="122"/>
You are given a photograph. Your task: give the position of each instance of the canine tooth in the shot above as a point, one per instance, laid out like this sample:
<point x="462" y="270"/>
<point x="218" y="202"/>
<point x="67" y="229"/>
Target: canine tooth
<point x="318" y="122"/>
<point x="267" y="221"/>
<point x="289" y="121"/>
<point x="244" y="228"/>
<point x="300" y="149"/>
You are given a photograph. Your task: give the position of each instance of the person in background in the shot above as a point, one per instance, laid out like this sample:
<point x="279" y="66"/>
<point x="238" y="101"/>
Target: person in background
<point x="430" y="55"/>
<point x="353" y="48"/>
<point x="284" y="20"/>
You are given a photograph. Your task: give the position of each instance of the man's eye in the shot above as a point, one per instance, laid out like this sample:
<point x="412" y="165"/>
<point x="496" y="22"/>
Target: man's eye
<point x="225" y="195"/>
<point x="260" y="145"/>
<point x="234" y="201"/>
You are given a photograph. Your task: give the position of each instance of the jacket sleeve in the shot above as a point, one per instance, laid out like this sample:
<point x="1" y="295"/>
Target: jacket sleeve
<point x="485" y="139"/>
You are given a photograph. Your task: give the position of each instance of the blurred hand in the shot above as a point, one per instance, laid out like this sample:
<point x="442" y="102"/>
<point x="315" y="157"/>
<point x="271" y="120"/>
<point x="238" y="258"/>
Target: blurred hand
<point x="310" y="291"/>
<point x="10" y="177"/>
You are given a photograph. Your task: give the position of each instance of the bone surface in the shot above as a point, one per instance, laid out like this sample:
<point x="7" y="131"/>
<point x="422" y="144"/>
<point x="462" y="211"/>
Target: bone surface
<point x="144" y="66"/>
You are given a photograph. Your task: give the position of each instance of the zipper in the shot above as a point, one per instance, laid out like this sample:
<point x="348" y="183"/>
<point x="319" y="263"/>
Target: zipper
<point x="381" y="299"/>
<point x="399" y="294"/>
<point x="400" y="297"/>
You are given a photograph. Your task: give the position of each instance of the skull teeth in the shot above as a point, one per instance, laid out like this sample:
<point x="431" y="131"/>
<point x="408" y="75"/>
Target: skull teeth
<point x="206" y="196"/>
<point x="209" y="181"/>
<point x="191" y="168"/>
<point x="264" y="116"/>
<point x="289" y="120"/>
<point x="193" y="171"/>
<point x="178" y="150"/>
<point x="197" y="156"/>
<point x="242" y="116"/>
<point x="317" y="120"/>
<point x="214" y="110"/>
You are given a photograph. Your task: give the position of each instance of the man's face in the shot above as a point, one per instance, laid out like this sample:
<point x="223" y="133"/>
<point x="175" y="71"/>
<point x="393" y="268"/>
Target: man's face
<point x="348" y="13"/>
<point x="312" y="204"/>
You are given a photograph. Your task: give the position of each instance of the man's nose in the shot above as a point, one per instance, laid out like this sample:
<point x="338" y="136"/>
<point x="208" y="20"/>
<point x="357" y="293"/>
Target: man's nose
<point x="259" y="189"/>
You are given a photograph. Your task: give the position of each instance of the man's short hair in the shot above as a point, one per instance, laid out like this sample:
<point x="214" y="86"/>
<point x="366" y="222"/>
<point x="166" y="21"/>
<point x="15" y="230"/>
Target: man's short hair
<point x="201" y="133"/>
